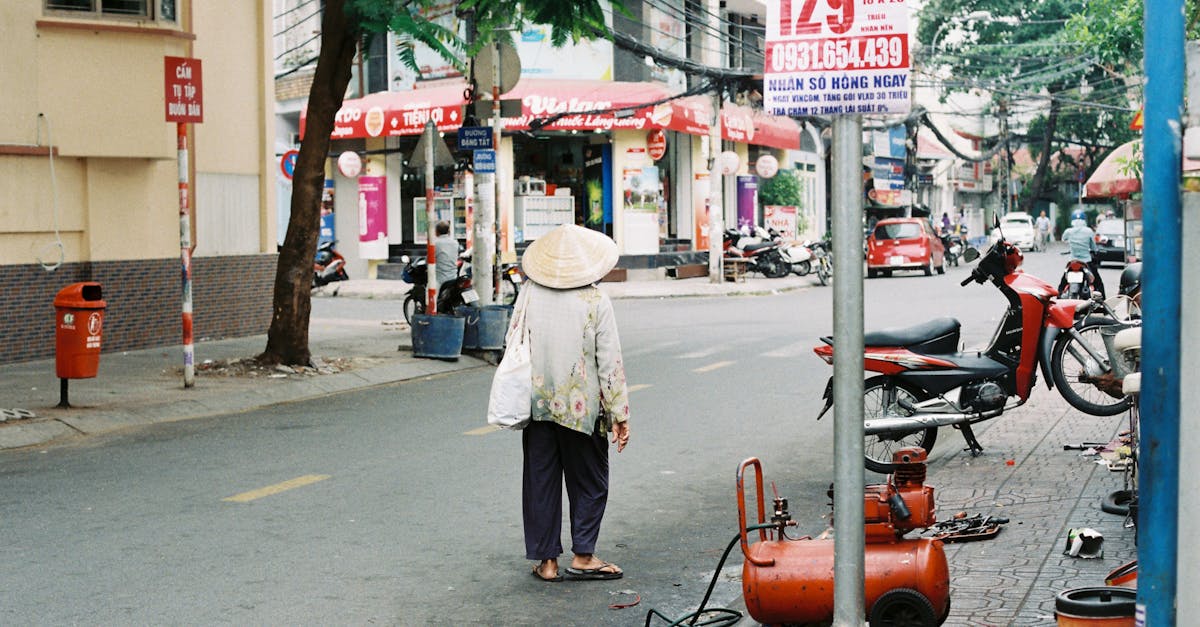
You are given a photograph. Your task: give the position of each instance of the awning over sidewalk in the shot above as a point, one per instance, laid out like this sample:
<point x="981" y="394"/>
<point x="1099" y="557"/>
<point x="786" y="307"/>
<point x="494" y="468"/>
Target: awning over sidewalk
<point x="621" y="106"/>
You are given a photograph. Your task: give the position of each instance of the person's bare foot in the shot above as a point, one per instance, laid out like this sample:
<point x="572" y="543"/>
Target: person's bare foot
<point x="547" y="570"/>
<point x="591" y="567"/>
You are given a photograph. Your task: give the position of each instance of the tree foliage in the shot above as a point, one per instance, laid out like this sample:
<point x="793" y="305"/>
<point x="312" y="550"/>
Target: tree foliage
<point x="345" y="25"/>
<point x="1038" y="68"/>
<point x="784" y="189"/>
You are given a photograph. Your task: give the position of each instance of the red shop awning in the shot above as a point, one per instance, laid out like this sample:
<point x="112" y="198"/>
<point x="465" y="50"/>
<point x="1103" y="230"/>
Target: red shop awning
<point x="752" y="126"/>
<point x="544" y="98"/>
<point x="389" y="113"/>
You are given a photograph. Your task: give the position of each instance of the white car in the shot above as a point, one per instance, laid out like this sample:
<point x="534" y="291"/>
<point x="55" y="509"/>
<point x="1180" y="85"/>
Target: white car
<point x="1018" y="230"/>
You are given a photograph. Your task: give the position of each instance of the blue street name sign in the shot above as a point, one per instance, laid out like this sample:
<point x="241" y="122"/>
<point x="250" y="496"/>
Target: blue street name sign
<point x="474" y="137"/>
<point x="485" y="161"/>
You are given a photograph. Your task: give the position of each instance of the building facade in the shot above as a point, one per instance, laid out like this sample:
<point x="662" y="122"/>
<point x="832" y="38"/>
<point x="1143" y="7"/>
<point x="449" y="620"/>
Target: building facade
<point x="89" y="169"/>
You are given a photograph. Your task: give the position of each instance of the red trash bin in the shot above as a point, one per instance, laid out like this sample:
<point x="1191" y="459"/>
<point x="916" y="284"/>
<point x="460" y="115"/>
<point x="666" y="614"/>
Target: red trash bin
<point x="79" y="323"/>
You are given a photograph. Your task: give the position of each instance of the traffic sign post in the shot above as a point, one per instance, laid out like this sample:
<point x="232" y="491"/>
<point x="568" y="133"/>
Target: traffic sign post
<point x="842" y="58"/>
<point x="184" y="104"/>
<point x="287" y="164"/>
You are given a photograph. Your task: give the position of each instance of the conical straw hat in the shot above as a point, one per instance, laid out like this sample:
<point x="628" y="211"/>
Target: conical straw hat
<point x="569" y="256"/>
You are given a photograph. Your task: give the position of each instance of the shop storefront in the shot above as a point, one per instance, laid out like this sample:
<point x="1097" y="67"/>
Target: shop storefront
<point x="624" y="158"/>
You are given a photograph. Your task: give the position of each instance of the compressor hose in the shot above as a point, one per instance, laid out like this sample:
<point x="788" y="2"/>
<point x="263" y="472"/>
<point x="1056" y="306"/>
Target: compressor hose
<point x="723" y="616"/>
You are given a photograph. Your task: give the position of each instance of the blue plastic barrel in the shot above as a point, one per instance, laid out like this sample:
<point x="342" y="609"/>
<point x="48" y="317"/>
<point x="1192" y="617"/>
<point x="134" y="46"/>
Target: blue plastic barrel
<point x="437" y="336"/>
<point x="470" y="316"/>
<point x="493" y="325"/>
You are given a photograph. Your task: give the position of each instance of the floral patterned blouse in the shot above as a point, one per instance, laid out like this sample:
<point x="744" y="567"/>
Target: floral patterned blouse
<point x="578" y="375"/>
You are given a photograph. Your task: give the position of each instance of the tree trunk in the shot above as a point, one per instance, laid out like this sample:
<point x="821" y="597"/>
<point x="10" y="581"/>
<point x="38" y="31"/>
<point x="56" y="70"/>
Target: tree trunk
<point x="287" y="339"/>
<point x="1039" y="175"/>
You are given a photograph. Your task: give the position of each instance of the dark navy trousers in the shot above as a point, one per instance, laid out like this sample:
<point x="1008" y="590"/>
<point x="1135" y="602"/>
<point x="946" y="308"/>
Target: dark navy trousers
<point x="554" y="453"/>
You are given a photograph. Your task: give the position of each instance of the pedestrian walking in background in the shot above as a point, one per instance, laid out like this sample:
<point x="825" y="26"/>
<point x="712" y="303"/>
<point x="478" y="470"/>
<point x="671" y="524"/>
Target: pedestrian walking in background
<point x="579" y="397"/>
<point x="1043" y="231"/>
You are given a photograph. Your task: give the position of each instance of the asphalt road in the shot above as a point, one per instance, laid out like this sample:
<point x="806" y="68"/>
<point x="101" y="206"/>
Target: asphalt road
<point x="395" y="505"/>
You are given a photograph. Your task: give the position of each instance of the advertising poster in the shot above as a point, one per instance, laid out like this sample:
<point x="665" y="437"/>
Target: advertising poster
<point x="593" y="186"/>
<point x="837" y="58"/>
<point x="700" y="190"/>
<point x="642" y="189"/>
<point x="327" y="234"/>
<point x="782" y="219"/>
<point x="747" y="200"/>
<point x="372" y="217"/>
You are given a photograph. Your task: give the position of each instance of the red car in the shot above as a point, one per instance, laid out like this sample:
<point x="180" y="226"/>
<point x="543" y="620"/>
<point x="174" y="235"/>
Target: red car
<point x="904" y="244"/>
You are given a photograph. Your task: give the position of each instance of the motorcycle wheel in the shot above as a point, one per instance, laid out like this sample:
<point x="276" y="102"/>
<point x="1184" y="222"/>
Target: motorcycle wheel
<point x="823" y="274"/>
<point x="802" y="268"/>
<point x="412" y="306"/>
<point x="508" y="292"/>
<point x="879" y="397"/>
<point x="1069" y="362"/>
<point x="774" y="267"/>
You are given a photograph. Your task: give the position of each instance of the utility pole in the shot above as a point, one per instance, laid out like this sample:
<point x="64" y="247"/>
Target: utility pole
<point x="716" y="193"/>
<point x="1158" y="481"/>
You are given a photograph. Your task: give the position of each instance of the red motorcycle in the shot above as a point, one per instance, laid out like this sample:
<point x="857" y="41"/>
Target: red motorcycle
<point x="329" y="266"/>
<point x="925" y="381"/>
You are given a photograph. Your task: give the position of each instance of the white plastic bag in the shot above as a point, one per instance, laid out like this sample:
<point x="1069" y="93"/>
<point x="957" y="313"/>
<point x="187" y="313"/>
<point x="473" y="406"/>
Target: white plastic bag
<point x="512" y="385"/>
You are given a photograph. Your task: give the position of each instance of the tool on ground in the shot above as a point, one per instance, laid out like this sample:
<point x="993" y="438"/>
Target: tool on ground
<point x="963" y="528"/>
<point x="786" y="580"/>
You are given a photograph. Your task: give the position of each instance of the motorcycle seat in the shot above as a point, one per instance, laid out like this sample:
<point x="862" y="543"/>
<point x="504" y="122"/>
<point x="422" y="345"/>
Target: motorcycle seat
<point x="939" y="333"/>
<point x="758" y="246"/>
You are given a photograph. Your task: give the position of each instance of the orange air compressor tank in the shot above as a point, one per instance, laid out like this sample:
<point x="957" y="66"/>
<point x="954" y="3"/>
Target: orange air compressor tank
<point x="798" y="585"/>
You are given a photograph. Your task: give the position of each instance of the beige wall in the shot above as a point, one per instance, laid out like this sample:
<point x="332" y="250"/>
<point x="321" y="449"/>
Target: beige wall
<point x="99" y="85"/>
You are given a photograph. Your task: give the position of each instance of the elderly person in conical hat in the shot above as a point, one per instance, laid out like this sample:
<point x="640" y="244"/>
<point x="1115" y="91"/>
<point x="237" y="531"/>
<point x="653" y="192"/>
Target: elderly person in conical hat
<point x="579" y="397"/>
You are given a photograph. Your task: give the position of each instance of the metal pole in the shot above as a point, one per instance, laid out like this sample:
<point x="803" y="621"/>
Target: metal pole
<point x="849" y="565"/>
<point x="716" y="195"/>
<point x="716" y="192"/>
<point x="1158" y="465"/>
<point x="431" y="282"/>
<point x="185" y="254"/>
<point x="491" y="217"/>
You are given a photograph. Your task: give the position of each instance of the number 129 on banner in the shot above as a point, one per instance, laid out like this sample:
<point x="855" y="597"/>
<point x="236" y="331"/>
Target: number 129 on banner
<point x="833" y="57"/>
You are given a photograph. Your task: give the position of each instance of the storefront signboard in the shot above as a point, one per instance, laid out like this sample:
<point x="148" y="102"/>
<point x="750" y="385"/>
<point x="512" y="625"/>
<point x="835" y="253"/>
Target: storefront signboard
<point x="656" y="144"/>
<point x="349" y="164"/>
<point x="888" y="173"/>
<point x="780" y="218"/>
<point x="766" y="166"/>
<point x="836" y="57"/>
<point x="890" y="142"/>
<point x="372" y="217"/>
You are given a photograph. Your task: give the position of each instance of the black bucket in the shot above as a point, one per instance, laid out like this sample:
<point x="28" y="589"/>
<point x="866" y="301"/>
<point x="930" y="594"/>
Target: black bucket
<point x="437" y="336"/>
<point x="493" y="326"/>
<point x="470" y="316"/>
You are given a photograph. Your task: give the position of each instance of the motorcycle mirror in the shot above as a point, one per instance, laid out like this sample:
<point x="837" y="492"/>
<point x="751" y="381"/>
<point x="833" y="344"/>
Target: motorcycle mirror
<point x="971" y="255"/>
<point x="996" y="220"/>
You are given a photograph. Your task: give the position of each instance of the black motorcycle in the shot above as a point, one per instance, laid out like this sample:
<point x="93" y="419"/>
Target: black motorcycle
<point x="764" y="257"/>
<point x="453" y="293"/>
<point x="822" y="260"/>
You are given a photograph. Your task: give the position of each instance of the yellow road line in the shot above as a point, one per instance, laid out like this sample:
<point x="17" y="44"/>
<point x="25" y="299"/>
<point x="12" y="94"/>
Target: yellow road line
<point x="639" y="386"/>
<point x="484" y="430"/>
<point x="245" y="497"/>
<point x="711" y="367"/>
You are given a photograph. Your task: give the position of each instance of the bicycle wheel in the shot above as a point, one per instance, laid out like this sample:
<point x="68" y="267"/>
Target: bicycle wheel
<point x="1079" y="376"/>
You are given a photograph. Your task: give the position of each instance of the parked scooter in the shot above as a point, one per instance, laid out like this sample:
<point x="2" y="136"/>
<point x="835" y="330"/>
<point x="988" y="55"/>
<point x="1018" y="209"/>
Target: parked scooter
<point x="329" y="265"/>
<point x="926" y="382"/>
<point x="822" y="260"/>
<point x="455" y="292"/>
<point x="798" y="256"/>
<point x="765" y="257"/>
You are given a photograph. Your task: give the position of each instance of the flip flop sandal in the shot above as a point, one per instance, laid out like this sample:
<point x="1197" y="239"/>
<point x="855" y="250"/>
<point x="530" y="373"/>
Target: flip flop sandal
<point x="597" y="573"/>
<point x="539" y="576"/>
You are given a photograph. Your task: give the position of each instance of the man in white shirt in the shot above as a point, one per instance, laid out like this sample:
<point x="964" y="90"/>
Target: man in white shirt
<point x="1043" y="231"/>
